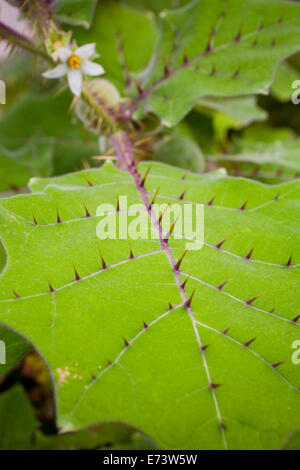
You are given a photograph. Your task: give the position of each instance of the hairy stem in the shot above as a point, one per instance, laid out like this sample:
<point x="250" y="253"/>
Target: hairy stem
<point x="19" y="40"/>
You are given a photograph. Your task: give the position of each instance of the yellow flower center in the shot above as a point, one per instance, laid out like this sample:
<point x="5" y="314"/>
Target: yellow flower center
<point x="74" y="61"/>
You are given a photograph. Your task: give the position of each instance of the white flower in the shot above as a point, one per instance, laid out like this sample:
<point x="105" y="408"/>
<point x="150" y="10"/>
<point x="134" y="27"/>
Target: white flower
<point x="74" y="64"/>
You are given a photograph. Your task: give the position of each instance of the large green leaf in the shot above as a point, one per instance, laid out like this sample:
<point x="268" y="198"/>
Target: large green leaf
<point x="217" y="48"/>
<point x="164" y="379"/>
<point x="12" y="345"/>
<point x="125" y="40"/>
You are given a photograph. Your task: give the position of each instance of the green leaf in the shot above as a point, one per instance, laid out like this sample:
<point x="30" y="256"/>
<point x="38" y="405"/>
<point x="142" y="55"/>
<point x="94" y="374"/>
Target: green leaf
<point x="231" y="113"/>
<point x="156" y="5"/>
<point x="18" y="430"/>
<point x="17" y="72"/>
<point x="17" y="166"/>
<point x="282" y="88"/>
<point x="125" y="40"/>
<point x="271" y="162"/>
<point x="181" y="151"/>
<point x="199" y="127"/>
<point x="15" y="348"/>
<point x="160" y="380"/>
<point x="37" y="139"/>
<point x="75" y="12"/>
<point x="107" y="436"/>
<point x="242" y="110"/>
<point x="217" y="48"/>
<point x="17" y="421"/>
<point x="12" y="347"/>
<point x="263" y="133"/>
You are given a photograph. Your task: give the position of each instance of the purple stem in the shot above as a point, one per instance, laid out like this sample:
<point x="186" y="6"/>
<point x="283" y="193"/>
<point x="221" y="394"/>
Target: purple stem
<point x="124" y="152"/>
<point x="21" y="41"/>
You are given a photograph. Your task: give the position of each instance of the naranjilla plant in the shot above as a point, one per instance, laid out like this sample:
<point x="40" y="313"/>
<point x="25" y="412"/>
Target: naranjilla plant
<point x="158" y="297"/>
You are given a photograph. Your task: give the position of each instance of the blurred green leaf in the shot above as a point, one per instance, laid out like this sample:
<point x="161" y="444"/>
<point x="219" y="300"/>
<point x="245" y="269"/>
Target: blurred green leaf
<point x="200" y="128"/>
<point x="16" y="347"/>
<point x="261" y="132"/>
<point x="181" y="151"/>
<point x="270" y="162"/>
<point x="282" y="88"/>
<point x="18" y="430"/>
<point x="17" y="421"/>
<point x="109" y="436"/>
<point x="38" y="138"/>
<point x="18" y="166"/>
<point x="156" y="5"/>
<point x="231" y="113"/>
<point x="75" y="12"/>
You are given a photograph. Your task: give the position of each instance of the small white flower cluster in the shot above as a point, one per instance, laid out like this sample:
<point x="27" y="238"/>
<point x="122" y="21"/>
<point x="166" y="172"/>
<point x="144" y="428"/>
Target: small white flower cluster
<point x="74" y="64"/>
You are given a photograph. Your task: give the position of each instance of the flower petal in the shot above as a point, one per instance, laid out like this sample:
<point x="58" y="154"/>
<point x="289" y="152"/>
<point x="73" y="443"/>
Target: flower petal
<point x="86" y="51"/>
<point x="75" y="81"/>
<point x="57" y="72"/>
<point x="64" y="53"/>
<point x="90" y="68"/>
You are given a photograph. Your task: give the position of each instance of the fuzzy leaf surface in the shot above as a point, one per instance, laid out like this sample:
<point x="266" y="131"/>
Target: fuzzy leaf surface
<point x="162" y="379"/>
